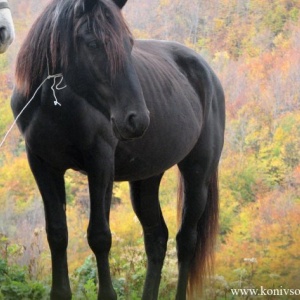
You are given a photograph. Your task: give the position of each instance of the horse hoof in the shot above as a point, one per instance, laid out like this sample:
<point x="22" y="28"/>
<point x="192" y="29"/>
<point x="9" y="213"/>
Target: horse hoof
<point x="60" y="296"/>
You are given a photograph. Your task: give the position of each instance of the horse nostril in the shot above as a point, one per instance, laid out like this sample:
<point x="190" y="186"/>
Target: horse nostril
<point x="131" y="121"/>
<point x="3" y="34"/>
<point x="133" y="126"/>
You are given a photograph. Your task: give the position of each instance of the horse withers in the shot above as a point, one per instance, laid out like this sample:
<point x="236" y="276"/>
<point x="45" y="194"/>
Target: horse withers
<point x="7" y="33"/>
<point x="129" y="110"/>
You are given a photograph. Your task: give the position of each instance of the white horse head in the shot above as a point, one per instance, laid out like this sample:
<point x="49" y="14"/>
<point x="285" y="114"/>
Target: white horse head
<point x="7" y="32"/>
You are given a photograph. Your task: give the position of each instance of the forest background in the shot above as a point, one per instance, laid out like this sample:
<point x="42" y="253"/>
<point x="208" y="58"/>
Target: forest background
<point x="254" y="47"/>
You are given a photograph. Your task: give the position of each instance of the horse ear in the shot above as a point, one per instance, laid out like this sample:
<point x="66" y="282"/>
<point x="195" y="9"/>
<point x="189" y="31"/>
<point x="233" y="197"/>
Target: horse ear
<point x="84" y="6"/>
<point x="89" y="5"/>
<point x="120" y="3"/>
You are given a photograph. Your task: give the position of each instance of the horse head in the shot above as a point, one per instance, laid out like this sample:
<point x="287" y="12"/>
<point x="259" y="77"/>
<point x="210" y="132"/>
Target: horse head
<point x="7" y="33"/>
<point x="99" y="66"/>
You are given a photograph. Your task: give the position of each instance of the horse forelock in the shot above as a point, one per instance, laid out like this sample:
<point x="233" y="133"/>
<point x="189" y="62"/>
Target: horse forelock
<point x="52" y="40"/>
<point x="108" y="25"/>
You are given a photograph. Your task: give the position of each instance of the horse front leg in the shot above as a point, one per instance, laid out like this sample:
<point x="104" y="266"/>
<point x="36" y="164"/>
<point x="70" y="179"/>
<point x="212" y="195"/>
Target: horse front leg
<point x="100" y="177"/>
<point x="52" y="188"/>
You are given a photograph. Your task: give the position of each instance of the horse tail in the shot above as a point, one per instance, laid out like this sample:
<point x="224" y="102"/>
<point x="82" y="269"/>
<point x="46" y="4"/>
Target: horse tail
<point x="202" y="265"/>
<point x="180" y="196"/>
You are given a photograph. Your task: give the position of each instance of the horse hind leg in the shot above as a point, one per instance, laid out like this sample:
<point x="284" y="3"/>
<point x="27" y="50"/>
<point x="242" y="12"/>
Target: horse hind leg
<point x="144" y="196"/>
<point x="199" y="224"/>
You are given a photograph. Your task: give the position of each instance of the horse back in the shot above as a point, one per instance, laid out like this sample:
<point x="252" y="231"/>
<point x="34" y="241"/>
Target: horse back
<point x="185" y="64"/>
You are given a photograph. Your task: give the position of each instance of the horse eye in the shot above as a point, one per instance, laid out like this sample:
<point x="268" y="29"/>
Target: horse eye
<point x="107" y="14"/>
<point x="106" y="40"/>
<point x="93" y="45"/>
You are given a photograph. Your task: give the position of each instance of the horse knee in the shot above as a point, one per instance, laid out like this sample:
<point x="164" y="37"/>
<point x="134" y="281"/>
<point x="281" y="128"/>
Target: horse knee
<point x="57" y="238"/>
<point x="100" y="242"/>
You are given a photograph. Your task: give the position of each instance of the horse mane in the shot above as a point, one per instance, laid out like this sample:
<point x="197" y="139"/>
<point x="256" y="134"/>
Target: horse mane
<point x="52" y="39"/>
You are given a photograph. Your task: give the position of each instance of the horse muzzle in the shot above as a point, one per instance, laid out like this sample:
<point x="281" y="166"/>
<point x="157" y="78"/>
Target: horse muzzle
<point x="6" y="38"/>
<point x="133" y="126"/>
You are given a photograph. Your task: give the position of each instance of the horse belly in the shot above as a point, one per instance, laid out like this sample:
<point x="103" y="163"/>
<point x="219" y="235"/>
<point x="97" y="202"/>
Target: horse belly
<point x="140" y="161"/>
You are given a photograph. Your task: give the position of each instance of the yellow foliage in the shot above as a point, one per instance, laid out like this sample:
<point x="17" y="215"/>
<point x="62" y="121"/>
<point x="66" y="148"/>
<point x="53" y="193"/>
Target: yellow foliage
<point x="281" y="42"/>
<point x="17" y="182"/>
<point x="219" y="23"/>
<point x="164" y="3"/>
<point x="78" y="248"/>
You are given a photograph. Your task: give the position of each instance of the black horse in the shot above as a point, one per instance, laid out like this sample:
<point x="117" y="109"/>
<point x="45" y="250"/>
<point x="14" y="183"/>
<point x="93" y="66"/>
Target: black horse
<point x="126" y="110"/>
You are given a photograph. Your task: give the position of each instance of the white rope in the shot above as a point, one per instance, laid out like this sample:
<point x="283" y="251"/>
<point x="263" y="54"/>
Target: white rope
<point x="57" y="87"/>
<point x="53" y="87"/>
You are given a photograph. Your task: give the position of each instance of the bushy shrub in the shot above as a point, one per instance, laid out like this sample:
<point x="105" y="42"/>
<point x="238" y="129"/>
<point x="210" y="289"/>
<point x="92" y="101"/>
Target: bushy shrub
<point x="14" y="285"/>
